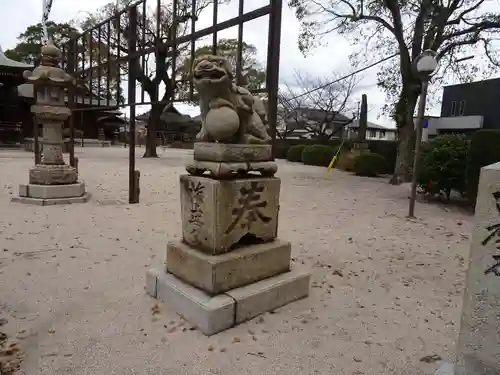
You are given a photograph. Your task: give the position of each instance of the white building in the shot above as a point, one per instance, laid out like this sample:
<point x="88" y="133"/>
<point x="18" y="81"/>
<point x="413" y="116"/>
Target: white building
<point x="374" y="132"/>
<point x="434" y="126"/>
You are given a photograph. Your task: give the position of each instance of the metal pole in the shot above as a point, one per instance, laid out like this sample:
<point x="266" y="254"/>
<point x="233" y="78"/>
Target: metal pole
<point x="132" y="46"/>
<point x="418" y="141"/>
<point x="273" y="67"/>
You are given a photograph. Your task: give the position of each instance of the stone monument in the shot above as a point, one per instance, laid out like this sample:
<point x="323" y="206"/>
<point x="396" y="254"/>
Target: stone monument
<point x="360" y="146"/>
<point x="52" y="181"/>
<point x="229" y="266"/>
<point x="478" y="350"/>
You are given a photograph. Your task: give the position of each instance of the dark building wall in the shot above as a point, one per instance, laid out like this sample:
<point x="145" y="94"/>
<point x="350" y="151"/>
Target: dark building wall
<point x="473" y="99"/>
<point x="16" y="109"/>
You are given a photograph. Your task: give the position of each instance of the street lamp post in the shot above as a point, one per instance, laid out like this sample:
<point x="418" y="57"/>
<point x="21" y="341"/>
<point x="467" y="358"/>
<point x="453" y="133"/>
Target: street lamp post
<point x="425" y="65"/>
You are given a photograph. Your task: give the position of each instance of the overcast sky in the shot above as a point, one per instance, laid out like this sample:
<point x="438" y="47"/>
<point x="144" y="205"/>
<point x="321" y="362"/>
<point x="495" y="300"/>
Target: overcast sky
<point x="323" y="62"/>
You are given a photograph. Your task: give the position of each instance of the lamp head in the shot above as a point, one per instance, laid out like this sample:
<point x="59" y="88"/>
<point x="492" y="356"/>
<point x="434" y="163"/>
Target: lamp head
<point x="426" y="63"/>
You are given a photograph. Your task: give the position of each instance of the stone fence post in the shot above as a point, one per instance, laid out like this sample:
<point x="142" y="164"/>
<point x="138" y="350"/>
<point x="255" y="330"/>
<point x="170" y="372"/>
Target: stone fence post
<point x="478" y="350"/>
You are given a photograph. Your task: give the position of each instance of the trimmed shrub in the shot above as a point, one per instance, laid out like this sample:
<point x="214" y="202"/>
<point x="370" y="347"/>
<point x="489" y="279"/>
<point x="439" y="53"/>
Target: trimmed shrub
<point x="442" y="165"/>
<point x="369" y="165"/>
<point x="281" y="146"/>
<point x="279" y="150"/>
<point x="319" y="155"/>
<point x="294" y="153"/>
<point x="389" y="150"/>
<point x="483" y="150"/>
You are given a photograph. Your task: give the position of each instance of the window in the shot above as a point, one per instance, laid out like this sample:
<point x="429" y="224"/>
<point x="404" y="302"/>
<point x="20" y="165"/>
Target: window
<point x="453" y="108"/>
<point x="461" y="109"/>
<point x="381" y="134"/>
<point x="373" y="134"/>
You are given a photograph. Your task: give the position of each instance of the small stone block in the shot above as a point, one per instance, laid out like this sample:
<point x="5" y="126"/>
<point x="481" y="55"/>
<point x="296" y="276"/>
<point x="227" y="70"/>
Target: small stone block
<point x="56" y="191"/>
<point x="23" y="190"/>
<point x="219" y="273"/>
<point x="151" y="280"/>
<point x="204" y="151"/>
<point x="445" y="369"/>
<point x="210" y="314"/>
<point x="216" y="214"/>
<point x="269" y="294"/>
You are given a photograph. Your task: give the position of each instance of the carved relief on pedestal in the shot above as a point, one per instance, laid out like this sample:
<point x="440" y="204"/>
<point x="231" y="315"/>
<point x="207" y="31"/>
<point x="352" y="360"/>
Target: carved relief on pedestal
<point x="217" y="214"/>
<point x="44" y="174"/>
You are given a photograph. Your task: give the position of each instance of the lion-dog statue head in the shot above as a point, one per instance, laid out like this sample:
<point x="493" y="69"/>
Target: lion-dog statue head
<point x="211" y="71"/>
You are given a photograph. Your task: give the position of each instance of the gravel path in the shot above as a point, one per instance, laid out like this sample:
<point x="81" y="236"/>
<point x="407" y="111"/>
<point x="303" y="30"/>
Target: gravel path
<point x="386" y="290"/>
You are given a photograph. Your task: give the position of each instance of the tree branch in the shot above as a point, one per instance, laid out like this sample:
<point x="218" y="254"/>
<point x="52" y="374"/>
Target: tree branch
<point x="461" y="16"/>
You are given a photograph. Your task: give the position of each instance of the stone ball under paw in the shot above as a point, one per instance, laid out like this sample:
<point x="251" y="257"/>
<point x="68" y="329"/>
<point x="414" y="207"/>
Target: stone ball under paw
<point x="222" y="123"/>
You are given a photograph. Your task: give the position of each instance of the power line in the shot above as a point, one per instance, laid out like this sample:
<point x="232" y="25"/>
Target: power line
<point x="345" y="77"/>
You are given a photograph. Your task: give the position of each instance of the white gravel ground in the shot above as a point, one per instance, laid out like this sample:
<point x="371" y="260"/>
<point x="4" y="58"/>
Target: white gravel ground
<point x="386" y="290"/>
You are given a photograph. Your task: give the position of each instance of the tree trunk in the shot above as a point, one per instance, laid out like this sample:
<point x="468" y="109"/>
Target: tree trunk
<point x="405" y="109"/>
<point x="154" y="120"/>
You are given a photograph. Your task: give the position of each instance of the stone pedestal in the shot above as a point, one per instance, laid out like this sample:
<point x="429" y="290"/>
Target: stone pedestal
<point x="229" y="266"/>
<point x="478" y="350"/>
<point x="222" y="160"/>
<point x="217" y="214"/>
<point x="51" y="181"/>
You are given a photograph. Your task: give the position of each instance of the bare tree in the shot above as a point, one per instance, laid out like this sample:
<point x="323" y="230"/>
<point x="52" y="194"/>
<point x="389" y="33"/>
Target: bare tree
<point x="155" y="27"/>
<point x="452" y="28"/>
<point x="317" y="106"/>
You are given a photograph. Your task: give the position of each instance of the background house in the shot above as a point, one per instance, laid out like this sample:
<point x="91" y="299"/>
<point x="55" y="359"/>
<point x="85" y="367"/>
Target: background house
<point x="174" y="126"/>
<point x="310" y="123"/>
<point x="15" y="116"/>
<point x="373" y="132"/>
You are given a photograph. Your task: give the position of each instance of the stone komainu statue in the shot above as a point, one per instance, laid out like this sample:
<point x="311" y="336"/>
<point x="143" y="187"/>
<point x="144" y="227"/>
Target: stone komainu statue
<point x="229" y="113"/>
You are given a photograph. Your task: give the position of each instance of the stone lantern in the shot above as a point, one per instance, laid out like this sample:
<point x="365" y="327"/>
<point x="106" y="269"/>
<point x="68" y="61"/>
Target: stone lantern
<point x="52" y="181"/>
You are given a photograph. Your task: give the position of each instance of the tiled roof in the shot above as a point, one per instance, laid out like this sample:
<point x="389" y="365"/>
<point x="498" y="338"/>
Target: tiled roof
<point x="371" y="125"/>
<point x="5" y="61"/>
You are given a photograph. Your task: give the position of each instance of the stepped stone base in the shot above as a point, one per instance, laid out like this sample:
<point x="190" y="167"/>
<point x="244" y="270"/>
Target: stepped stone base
<point x="213" y="314"/>
<point x="219" y="273"/>
<point x="44" y="195"/>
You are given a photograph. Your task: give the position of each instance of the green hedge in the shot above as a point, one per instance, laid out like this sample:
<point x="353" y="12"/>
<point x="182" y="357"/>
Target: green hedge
<point x="294" y="153"/>
<point x="442" y="165"/>
<point x="281" y="146"/>
<point x="319" y="155"/>
<point x="369" y="165"/>
<point x="484" y="149"/>
<point x="388" y="149"/>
